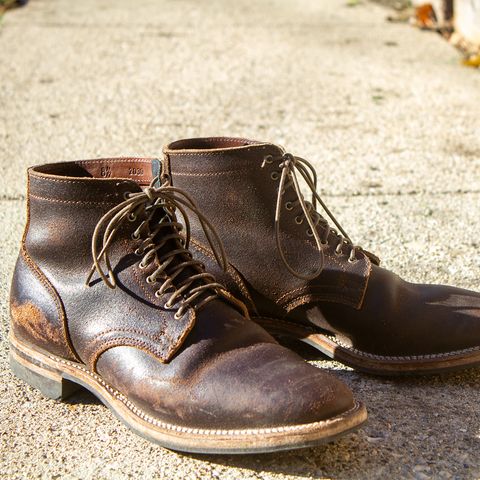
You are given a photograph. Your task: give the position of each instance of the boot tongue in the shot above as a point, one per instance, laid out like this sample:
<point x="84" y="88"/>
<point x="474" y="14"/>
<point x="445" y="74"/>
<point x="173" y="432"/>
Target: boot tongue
<point x="156" y="171"/>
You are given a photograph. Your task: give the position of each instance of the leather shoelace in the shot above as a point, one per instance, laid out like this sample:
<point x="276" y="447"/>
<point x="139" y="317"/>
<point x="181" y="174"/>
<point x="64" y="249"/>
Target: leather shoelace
<point x="291" y="165"/>
<point x="176" y="260"/>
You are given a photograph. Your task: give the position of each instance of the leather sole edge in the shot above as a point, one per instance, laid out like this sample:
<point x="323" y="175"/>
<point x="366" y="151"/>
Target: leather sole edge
<point x="371" y="363"/>
<point x="58" y="378"/>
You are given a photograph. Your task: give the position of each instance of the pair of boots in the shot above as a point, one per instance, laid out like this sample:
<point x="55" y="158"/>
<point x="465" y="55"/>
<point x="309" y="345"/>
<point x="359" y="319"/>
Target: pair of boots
<point x="123" y="286"/>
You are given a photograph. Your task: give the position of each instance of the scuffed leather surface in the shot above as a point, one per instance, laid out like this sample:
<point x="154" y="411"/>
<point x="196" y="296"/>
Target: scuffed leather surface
<point x="35" y="315"/>
<point x="229" y="373"/>
<point x="63" y="215"/>
<point x="239" y="196"/>
<point x="400" y="318"/>
<point x="363" y="305"/>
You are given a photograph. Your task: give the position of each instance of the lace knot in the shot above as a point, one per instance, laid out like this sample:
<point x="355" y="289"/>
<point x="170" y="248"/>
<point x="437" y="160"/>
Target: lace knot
<point x="162" y="244"/>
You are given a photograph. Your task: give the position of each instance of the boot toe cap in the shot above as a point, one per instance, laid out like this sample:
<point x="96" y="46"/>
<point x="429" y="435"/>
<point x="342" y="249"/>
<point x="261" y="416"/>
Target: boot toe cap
<point x="263" y="385"/>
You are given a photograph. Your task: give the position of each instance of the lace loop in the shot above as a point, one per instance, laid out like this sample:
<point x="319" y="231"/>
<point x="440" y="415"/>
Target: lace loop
<point x="147" y="202"/>
<point x="291" y="167"/>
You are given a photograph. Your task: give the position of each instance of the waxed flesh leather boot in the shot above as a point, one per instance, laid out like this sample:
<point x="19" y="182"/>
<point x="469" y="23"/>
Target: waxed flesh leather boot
<point x="106" y="296"/>
<point x="300" y="274"/>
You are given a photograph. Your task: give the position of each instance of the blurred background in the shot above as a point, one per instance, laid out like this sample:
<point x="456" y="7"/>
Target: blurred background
<point x="382" y="97"/>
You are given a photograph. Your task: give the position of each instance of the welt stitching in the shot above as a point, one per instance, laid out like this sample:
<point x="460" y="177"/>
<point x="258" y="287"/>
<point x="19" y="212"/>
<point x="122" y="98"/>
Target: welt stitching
<point x="302" y="289"/>
<point x="325" y="297"/>
<point x="126" y="160"/>
<point x="27" y="226"/>
<point x="76" y="202"/>
<point x="45" y="178"/>
<point x="133" y="330"/>
<point x="197" y="431"/>
<point x="221" y="152"/>
<point x="209" y="174"/>
<point x="368" y="267"/>
<point x="231" y="139"/>
<point x="140" y="284"/>
<point x="126" y="342"/>
<point x="381" y="357"/>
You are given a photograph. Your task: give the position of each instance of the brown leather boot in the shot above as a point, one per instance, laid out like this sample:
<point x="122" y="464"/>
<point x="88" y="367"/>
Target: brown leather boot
<point x="302" y="278"/>
<point x="147" y="330"/>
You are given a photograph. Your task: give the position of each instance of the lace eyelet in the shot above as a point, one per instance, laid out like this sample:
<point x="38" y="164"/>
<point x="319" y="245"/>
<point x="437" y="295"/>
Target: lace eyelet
<point x="177" y="316"/>
<point x="267" y="159"/>
<point x="324" y="244"/>
<point x="167" y="306"/>
<point x="298" y="220"/>
<point x="309" y="232"/>
<point x="289" y="206"/>
<point x="139" y="252"/>
<point x="135" y="237"/>
<point x="274" y="176"/>
<point x="338" y="253"/>
<point x="126" y="195"/>
<point x="158" y="294"/>
<point x="131" y="217"/>
<point x="352" y="260"/>
<point x="150" y="280"/>
<point x="142" y="266"/>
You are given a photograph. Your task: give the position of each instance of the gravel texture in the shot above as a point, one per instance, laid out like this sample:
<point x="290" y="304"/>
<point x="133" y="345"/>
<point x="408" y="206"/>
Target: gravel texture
<point x="385" y="112"/>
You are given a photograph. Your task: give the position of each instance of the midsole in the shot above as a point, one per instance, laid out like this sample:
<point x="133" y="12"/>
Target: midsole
<point x="368" y="361"/>
<point x="182" y="437"/>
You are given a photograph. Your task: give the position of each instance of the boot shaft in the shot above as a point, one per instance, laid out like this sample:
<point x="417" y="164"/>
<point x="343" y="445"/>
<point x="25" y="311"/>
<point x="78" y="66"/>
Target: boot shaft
<point x="53" y="295"/>
<point x="236" y="183"/>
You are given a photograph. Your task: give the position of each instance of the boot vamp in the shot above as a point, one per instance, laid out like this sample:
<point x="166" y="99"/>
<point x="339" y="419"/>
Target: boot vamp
<point x="229" y="374"/>
<point x="402" y="318"/>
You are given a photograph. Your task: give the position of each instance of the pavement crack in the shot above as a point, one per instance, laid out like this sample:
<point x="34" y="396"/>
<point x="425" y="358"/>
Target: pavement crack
<point x="11" y="198"/>
<point x="403" y="194"/>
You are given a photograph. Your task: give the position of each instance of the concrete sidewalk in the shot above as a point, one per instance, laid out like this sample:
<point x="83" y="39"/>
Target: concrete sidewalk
<point x="386" y="113"/>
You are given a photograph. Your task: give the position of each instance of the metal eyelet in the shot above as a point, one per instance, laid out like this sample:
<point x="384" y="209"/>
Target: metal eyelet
<point x="135" y="237"/>
<point x="177" y="316"/>
<point x="142" y="266"/>
<point x="139" y="252"/>
<point x="324" y="244"/>
<point x="298" y="220"/>
<point x="338" y="252"/>
<point x="266" y="160"/>
<point x="309" y="232"/>
<point x="126" y="195"/>
<point x="131" y="217"/>
<point x="353" y="259"/>
<point x="158" y="294"/>
<point x="167" y="306"/>
<point x="274" y="176"/>
<point x="150" y="280"/>
<point x="289" y="206"/>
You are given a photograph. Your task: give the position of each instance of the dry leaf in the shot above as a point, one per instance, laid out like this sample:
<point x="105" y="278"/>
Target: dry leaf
<point x="425" y="16"/>
<point x="473" y="61"/>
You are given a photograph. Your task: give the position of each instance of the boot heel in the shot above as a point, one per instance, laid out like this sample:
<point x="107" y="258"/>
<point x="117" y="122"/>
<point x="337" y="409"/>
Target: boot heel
<point x="48" y="381"/>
